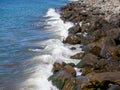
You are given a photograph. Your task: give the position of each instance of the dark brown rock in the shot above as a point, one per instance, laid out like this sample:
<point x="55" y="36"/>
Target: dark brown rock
<point x="75" y="29"/>
<point x="87" y="39"/>
<point x="70" y="70"/>
<point x="57" y="67"/>
<point x="69" y="84"/>
<point x="78" y="55"/>
<point x="86" y="70"/>
<point x="104" y="65"/>
<point x="72" y="39"/>
<point x="89" y="59"/>
<point x="101" y="80"/>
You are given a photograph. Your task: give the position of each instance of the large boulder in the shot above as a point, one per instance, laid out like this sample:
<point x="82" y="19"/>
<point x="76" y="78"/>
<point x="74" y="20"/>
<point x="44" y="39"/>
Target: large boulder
<point x="61" y="79"/>
<point x="100" y="80"/>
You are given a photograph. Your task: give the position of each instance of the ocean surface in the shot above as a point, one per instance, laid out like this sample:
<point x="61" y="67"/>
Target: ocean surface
<point x="31" y="34"/>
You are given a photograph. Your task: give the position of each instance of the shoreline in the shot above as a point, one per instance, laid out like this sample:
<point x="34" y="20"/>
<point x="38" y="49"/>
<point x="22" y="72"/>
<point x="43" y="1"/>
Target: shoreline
<point x="99" y="33"/>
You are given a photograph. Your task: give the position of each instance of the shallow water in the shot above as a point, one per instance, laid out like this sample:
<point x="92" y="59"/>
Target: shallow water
<point x="30" y="42"/>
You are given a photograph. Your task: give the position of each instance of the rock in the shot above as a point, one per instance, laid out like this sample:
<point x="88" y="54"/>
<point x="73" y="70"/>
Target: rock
<point x="115" y="21"/>
<point x="101" y="80"/>
<point x="78" y="55"/>
<point x="71" y="64"/>
<point x="108" y="42"/>
<point x="67" y="14"/>
<point x="99" y="47"/>
<point x="104" y="65"/>
<point x="59" y="79"/>
<point x="80" y="64"/>
<point x="114" y="87"/>
<point x="86" y="70"/>
<point x="57" y="67"/>
<point x="86" y="40"/>
<point x="69" y="85"/>
<point x="70" y="70"/>
<point x="76" y="19"/>
<point x="96" y="50"/>
<point x="89" y="60"/>
<point x="79" y="81"/>
<point x="113" y="52"/>
<point x="75" y="29"/>
<point x="72" y="39"/>
<point x="114" y="34"/>
<point x="100" y="66"/>
<point x="73" y="48"/>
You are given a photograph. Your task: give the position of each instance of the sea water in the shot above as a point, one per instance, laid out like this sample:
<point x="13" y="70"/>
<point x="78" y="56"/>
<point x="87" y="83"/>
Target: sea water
<point x="31" y="35"/>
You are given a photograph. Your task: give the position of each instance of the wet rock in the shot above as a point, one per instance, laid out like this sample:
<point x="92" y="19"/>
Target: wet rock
<point x="72" y="39"/>
<point x="73" y="48"/>
<point x="70" y="70"/>
<point x="100" y="66"/>
<point x="57" y="67"/>
<point x="78" y="55"/>
<point x="80" y="64"/>
<point x="75" y="29"/>
<point x="59" y="79"/>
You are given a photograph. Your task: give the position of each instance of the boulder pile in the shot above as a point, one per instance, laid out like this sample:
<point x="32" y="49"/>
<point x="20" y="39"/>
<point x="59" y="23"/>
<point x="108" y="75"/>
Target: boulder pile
<point x="97" y="28"/>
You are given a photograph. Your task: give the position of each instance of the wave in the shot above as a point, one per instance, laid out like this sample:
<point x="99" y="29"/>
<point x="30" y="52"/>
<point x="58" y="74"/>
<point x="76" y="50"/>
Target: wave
<point x="38" y="69"/>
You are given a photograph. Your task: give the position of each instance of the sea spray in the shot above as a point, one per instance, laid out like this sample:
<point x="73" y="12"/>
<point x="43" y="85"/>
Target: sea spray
<point x="54" y="51"/>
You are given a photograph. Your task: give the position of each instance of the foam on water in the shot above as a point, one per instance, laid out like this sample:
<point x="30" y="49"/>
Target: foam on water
<point x="53" y="51"/>
<point x="57" y="26"/>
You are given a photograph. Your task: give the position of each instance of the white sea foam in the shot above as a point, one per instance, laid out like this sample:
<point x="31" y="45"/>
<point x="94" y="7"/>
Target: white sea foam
<point x="54" y="50"/>
<point x="57" y="26"/>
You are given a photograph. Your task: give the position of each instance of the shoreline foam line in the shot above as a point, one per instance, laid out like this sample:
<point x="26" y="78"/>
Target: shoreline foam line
<point x="54" y="51"/>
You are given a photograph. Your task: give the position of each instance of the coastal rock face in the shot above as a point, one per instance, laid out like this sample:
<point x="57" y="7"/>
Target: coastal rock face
<point x="97" y="28"/>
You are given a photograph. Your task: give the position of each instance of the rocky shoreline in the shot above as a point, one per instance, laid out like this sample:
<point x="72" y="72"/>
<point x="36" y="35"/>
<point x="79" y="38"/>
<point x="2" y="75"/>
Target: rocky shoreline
<point x="98" y="29"/>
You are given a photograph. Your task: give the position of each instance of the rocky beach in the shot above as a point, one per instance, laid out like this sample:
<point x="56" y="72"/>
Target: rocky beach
<point x="97" y="29"/>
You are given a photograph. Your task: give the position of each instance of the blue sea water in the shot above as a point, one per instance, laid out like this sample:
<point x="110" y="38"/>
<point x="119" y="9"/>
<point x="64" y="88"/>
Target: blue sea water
<point x="19" y="32"/>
